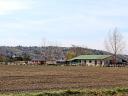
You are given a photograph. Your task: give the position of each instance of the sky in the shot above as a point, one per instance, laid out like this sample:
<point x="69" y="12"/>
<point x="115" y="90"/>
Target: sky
<point x="61" y="22"/>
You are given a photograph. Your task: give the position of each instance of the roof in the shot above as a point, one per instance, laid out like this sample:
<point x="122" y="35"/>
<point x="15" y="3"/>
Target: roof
<point x="90" y="57"/>
<point x="39" y="58"/>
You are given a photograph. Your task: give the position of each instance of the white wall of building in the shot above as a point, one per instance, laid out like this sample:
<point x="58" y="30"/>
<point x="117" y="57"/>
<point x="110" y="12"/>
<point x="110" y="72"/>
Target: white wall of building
<point x="93" y="62"/>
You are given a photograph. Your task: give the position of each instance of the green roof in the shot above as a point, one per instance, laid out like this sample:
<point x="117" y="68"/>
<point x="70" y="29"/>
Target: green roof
<point x="90" y="57"/>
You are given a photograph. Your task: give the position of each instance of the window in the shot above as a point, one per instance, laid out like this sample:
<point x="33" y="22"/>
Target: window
<point x="85" y="62"/>
<point x="95" y="62"/>
<point x="100" y="62"/>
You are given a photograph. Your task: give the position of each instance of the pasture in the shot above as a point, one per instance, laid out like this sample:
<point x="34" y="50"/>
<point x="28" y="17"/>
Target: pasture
<point x="38" y="78"/>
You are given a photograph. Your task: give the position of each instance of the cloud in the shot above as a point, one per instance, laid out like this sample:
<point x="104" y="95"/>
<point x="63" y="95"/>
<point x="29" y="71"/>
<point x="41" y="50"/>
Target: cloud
<point x="8" y="6"/>
<point x="74" y="25"/>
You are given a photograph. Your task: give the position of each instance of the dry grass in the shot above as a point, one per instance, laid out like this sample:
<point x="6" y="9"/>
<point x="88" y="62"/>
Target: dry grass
<point x="28" y="78"/>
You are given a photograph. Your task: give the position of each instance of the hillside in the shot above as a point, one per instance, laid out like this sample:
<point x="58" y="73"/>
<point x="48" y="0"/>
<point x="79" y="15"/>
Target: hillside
<point x="50" y="52"/>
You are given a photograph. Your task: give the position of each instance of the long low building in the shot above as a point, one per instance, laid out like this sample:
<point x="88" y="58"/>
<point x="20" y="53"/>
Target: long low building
<point x="91" y="60"/>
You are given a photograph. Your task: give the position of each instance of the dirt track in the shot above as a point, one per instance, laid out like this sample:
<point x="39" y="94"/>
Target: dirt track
<point x="28" y="78"/>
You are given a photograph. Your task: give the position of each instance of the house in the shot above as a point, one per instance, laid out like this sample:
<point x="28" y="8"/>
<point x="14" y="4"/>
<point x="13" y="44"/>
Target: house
<point x="51" y="62"/>
<point x="38" y="60"/>
<point x="91" y="60"/>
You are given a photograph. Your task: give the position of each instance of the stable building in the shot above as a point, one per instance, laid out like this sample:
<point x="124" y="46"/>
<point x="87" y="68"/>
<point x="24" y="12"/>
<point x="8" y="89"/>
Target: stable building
<point x="91" y="60"/>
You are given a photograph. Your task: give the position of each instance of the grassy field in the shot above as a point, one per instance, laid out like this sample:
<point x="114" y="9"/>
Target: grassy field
<point x="37" y="78"/>
<point x="103" y="92"/>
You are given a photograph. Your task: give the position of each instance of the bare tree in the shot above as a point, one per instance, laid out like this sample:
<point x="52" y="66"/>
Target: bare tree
<point x="115" y="44"/>
<point x="44" y="42"/>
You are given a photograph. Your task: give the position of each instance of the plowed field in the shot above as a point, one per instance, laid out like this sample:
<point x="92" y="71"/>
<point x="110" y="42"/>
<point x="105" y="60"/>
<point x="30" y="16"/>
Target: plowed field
<point x="29" y="78"/>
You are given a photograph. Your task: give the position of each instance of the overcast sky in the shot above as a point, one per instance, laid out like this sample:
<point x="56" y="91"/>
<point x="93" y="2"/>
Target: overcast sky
<point x="64" y="22"/>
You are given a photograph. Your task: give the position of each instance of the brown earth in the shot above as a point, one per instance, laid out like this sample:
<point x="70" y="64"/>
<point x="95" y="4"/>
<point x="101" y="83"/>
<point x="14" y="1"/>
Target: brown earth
<point x="28" y="78"/>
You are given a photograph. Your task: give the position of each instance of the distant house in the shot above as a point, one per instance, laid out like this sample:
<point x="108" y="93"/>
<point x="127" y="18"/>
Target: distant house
<point x="51" y="62"/>
<point x="38" y="60"/>
<point x="91" y="60"/>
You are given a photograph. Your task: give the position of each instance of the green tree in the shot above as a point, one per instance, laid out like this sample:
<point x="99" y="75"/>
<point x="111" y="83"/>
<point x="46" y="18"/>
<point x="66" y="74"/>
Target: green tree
<point x="70" y="55"/>
<point x="3" y="58"/>
<point x="26" y="57"/>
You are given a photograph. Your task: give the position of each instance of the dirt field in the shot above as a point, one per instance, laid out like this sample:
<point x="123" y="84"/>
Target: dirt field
<point x="28" y="78"/>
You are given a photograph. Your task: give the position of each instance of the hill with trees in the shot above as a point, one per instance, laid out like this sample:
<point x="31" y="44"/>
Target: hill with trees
<point x="49" y="52"/>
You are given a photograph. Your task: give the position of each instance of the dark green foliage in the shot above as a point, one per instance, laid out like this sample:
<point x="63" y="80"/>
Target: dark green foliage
<point x="69" y="92"/>
<point x="39" y="95"/>
<point x="26" y="57"/>
<point x="122" y="90"/>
